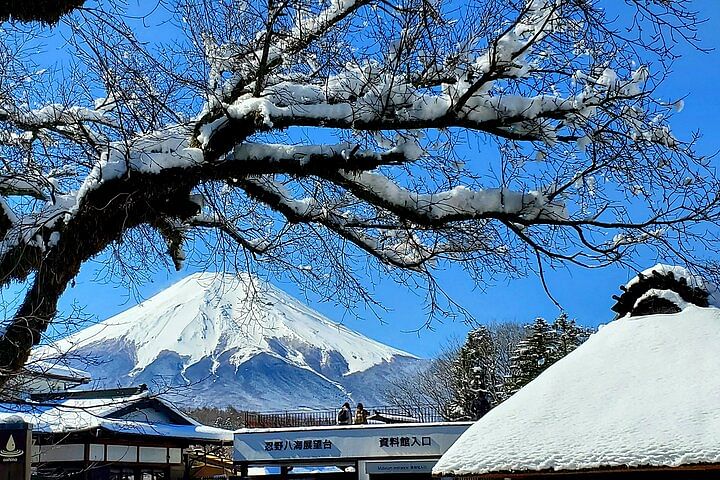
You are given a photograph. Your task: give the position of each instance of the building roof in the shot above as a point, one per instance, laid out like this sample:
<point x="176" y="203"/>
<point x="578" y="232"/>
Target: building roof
<point x="58" y="371"/>
<point x="67" y="415"/>
<point x="112" y="393"/>
<point x="192" y="432"/>
<point x="641" y="392"/>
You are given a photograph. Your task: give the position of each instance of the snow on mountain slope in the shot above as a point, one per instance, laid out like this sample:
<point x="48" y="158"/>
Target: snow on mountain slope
<point x="255" y="345"/>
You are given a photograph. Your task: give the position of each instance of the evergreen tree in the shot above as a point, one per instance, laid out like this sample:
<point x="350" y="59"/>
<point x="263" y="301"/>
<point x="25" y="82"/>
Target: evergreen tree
<point x="474" y="377"/>
<point x="568" y="336"/>
<point x="544" y="345"/>
<point x="454" y="382"/>
<point x="532" y="355"/>
<point x="494" y="362"/>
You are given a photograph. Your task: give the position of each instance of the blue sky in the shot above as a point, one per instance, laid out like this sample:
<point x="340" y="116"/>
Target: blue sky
<point x="585" y="295"/>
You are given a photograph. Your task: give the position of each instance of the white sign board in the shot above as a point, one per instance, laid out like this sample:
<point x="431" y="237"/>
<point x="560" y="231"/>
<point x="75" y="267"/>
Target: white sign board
<point x="367" y="441"/>
<point x="383" y="468"/>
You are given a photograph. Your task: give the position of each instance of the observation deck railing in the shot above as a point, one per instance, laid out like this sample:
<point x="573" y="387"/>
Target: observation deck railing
<point x="309" y="418"/>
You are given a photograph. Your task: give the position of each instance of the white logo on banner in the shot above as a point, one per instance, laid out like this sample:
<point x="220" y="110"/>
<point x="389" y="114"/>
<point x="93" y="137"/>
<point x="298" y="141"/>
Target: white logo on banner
<point x="10" y="451"/>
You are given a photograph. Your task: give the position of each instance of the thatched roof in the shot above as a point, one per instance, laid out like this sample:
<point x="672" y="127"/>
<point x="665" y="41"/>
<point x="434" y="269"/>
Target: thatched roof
<point x="642" y="392"/>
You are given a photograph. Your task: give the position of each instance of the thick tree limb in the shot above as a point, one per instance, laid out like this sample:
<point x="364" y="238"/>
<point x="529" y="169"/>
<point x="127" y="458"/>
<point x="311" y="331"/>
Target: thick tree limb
<point x="415" y="96"/>
<point x="44" y="11"/>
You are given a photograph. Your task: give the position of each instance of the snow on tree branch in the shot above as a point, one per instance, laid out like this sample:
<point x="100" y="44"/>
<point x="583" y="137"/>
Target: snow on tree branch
<point x="503" y="136"/>
<point x="457" y="204"/>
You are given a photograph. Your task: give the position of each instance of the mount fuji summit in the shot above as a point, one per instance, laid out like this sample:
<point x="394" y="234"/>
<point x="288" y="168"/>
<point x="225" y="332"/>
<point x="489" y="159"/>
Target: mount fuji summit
<point x="218" y="339"/>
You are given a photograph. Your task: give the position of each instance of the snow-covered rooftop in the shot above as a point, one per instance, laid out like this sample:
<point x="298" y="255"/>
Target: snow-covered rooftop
<point x="643" y="391"/>
<point x="58" y="370"/>
<point x="679" y="272"/>
<point x="192" y="432"/>
<point x="70" y="415"/>
<point x="67" y="414"/>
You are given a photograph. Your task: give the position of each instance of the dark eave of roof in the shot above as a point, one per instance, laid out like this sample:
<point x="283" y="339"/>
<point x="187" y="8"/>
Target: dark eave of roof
<point x="90" y="394"/>
<point x="56" y="376"/>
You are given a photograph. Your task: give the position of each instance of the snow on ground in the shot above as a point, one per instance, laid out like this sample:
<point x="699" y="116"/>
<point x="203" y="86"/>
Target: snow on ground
<point x="643" y="391"/>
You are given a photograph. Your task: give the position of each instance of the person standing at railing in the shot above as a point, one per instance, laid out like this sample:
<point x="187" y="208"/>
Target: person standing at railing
<point x="361" y="415"/>
<point x="344" y="416"/>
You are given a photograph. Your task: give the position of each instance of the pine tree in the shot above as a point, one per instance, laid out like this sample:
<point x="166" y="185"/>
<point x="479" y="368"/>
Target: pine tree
<point x="474" y="377"/>
<point x="532" y="355"/>
<point x="568" y="336"/>
<point x="441" y="384"/>
<point x="544" y="345"/>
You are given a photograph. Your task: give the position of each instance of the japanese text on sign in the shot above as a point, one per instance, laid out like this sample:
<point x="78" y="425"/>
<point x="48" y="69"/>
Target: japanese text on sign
<point x="405" y="441"/>
<point x="298" y="445"/>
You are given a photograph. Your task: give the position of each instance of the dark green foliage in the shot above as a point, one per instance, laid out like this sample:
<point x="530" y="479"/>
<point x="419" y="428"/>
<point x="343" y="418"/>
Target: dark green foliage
<point x="43" y="11"/>
<point x="568" y="336"/>
<point x="483" y="375"/>
<point x="474" y="379"/>
<point x="544" y="345"/>
<point x="532" y="355"/>
<point x="625" y="303"/>
<point x="495" y="361"/>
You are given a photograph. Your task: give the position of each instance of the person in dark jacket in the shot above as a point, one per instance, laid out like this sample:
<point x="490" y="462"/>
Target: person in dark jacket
<point x="361" y="415"/>
<point x="344" y="416"/>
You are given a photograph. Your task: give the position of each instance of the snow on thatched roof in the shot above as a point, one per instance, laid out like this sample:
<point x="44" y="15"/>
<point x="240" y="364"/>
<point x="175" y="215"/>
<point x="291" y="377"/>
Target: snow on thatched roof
<point x="679" y="272"/>
<point x="643" y="391"/>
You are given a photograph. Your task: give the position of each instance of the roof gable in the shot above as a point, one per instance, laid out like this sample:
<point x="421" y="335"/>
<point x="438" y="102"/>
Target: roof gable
<point x="151" y="410"/>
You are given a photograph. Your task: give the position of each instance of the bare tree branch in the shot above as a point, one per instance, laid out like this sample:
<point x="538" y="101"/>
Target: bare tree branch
<point x="311" y="137"/>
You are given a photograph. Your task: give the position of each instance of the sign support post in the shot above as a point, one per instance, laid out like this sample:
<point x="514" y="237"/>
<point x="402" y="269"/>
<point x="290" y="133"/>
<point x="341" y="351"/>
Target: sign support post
<point x="15" y="449"/>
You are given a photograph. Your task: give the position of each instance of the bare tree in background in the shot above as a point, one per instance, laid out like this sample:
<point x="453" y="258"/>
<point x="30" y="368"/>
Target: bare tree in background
<point x="430" y="387"/>
<point x="318" y="140"/>
<point x="446" y="384"/>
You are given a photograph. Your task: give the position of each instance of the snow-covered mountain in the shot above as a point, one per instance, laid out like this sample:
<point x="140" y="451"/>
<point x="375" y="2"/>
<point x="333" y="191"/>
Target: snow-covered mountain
<point x="236" y="340"/>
